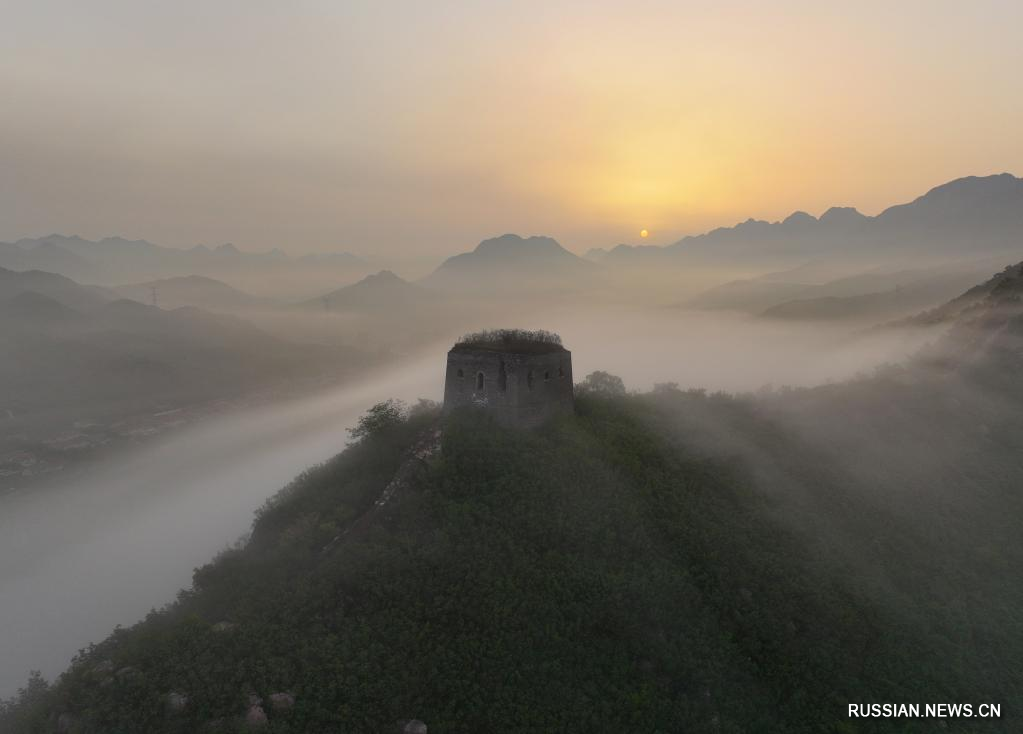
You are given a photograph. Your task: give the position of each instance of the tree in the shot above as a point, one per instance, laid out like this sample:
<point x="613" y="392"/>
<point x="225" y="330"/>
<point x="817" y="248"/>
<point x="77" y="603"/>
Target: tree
<point x="603" y="383"/>
<point x="379" y="419"/>
<point x="423" y="407"/>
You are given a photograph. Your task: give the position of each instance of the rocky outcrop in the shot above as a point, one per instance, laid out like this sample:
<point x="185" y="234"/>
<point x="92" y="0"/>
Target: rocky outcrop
<point x="175" y="702"/>
<point x="255" y="717"/>
<point x="281" y="701"/>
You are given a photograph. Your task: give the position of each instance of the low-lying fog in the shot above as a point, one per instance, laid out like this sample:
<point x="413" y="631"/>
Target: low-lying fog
<point x="103" y="548"/>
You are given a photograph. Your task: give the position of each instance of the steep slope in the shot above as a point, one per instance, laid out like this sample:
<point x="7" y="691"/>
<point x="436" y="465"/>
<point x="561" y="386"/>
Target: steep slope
<point x="1001" y="290"/>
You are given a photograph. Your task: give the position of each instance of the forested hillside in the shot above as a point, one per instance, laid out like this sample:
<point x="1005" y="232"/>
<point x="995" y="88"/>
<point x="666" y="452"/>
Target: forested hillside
<point x="666" y="562"/>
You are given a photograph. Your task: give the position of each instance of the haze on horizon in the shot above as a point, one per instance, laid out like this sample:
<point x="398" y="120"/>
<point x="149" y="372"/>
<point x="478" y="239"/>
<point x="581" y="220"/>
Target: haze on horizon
<point x="315" y="126"/>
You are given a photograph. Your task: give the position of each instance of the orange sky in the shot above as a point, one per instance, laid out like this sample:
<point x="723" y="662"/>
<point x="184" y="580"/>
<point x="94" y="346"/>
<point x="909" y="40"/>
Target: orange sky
<point x="413" y="130"/>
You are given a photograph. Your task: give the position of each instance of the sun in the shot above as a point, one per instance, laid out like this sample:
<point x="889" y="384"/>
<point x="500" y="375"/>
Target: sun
<point x="643" y="233"/>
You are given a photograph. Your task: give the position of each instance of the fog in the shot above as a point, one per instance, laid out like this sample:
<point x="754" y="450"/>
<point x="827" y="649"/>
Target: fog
<point x="104" y="547"/>
<point x="722" y="351"/>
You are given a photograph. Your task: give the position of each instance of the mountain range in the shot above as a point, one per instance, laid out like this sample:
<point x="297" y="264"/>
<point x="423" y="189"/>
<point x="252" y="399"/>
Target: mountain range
<point x="968" y="217"/>
<point x="115" y="260"/>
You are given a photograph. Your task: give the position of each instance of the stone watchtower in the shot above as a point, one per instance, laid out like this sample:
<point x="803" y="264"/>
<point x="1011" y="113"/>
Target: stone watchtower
<point x="522" y="377"/>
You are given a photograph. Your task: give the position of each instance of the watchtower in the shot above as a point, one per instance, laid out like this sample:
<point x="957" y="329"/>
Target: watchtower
<point x="523" y="377"/>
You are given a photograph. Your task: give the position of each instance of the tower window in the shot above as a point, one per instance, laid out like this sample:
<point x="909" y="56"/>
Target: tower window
<point x="502" y="378"/>
<point x="479" y="381"/>
<point x="461" y="374"/>
<point x="561" y="371"/>
<point x="529" y="379"/>
<point x="546" y="376"/>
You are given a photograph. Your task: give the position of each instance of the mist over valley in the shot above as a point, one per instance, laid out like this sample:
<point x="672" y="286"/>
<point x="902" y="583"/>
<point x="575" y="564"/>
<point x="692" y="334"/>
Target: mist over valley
<point x="467" y="367"/>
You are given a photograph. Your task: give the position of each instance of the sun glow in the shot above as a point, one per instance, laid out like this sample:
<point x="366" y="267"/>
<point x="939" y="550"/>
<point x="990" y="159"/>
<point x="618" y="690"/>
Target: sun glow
<point x="643" y="233"/>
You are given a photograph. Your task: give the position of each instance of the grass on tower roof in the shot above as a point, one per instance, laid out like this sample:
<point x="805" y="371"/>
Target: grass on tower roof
<point x="511" y="340"/>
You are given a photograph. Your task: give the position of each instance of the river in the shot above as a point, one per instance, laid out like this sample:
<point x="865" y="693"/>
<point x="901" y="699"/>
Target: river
<point x="81" y="556"/>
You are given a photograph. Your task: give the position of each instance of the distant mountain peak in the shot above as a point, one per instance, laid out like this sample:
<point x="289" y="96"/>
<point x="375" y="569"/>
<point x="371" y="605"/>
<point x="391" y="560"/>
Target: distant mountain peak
<point x="117" y="240"/>
<point x="53" y="239"/>
<point x="382" y="290"/>
<point x="843" y="215"/>
<point x="383" y="276"/>
<point x="985" y="184"/>
<point x="512" y="262"/>
<point x="799" y="217"/>
<point x="991" y="205"/>
<point x="514" y="241"/>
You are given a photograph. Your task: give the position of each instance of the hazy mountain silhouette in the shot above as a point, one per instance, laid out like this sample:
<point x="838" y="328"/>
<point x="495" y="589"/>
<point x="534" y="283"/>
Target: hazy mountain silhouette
<point x="915" y="293"/>
<point x="57" y="287"/>
<point x="972" y="216"/>
<point x="68" y="351"/>
<point x="115" y="260"/>
<point x="1002" y="293"/>
<point x="33" y="309"/>
<point x="874" y="293"/>
<point x="383" y="291"/>
<point x="43" y="255"/>
<point x="194" y="290"/>
<point x="511" y="261"/>
<point x="991" y="204"/>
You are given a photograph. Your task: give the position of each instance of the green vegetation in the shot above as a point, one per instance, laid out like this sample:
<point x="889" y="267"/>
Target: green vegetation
<point x="602" y="383"/>
<point x="512" y="340"/>
<point x="667" y="562"/>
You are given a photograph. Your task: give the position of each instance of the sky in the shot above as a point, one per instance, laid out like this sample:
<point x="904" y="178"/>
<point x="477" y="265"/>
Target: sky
<point x="416" y="129"/>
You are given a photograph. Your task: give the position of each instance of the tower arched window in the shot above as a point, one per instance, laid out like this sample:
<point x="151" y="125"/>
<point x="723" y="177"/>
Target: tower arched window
<point x="529" y="379"/>
<point x="479" y="381"/>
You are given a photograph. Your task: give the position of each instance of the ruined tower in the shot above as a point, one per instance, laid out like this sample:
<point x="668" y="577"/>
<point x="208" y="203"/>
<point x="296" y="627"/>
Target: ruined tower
<point x="522" y="377"/>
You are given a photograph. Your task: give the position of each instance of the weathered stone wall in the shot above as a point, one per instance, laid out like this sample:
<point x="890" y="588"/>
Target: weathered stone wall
<point x="520" y="389"/>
